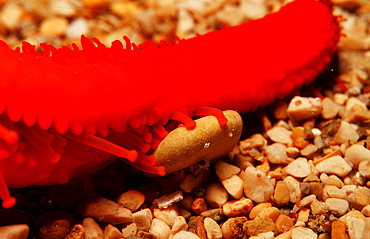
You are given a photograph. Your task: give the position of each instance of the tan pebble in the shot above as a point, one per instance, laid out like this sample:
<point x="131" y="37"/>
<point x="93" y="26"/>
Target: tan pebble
<point x="208" y="141"/>
<point x="357" y="153"/>
<point x="234" y="186"/>
<point x="303" y="215"/>
<point x="356" y="224"/>
<point x="346" y="134"/>
<point x="285" y="235"/>
<point x="292" y="152"/>
<point x="77" y="27"/>
<point x="16" y="231"/>
<point x="216" y="214"/>
<point x="159" y="229"/>
<point x="307" y="200"/>
<point x="298" y="137"/>
<point x="334" y="165"/>
<point x="257" y="226"/>
<point x="213" y="230"/>
<point x="331" y="180"/>
<point x="199" y="227"/>
<point x="185" y="213"/>
<point x="258" y="208"/>
<point x="92" y="229"/>
<point x="215" y="195"/>
<point x="281" y="193"/>
<point x="364" y="168"/>
<point x="257" y="186"/>
<point x="111" y="232"/>
<point x="56" y="229"/>
<point x="280" y="134"/>
<point x="338" y="230"/>
<point x="366" y="210"/>
<point x="269" y="212"/>
<point x="167" y="215"/>
<point x="192" y="182"/>
<point x="185" y="24"/>
<point x="337" y="205"/>
<point x="283" y="223"/>
<point x="65" y="8"/>
<point x="225" y="170"/>
<point x="199" y="205"/>
<point x="124" y="9"/>
<point x="340" y="98"/>
<point x="107" y="211"/>
<point x="168" y="199"/>
<point x="131" y="199"/>
<point x="238" y="207"/>
<point x="331" y="191"/>
<point x="317" y="189"/>
<point x="309" y="150"/>
<point x="129" y="230"/>
<point x="265" y="235"/>
<point x="303" y="233"/>
<point x="179" y="225"/>
<point x="355" y="111"/>
<point x="233" y="227"/>
<point x="185" y="235"/>
<point x="299" y="168"/>
<point x="294" y="189"/>
<point x="302" y="108"/>
<point x="277" y="154"/>
<point x="77" y="232"/>
<point x="330" y="109"/>
<point x="11" y="15"/>
<point x="358" y="200"/>
<point x="54" y="26"/>
<point x="142" y="219"/>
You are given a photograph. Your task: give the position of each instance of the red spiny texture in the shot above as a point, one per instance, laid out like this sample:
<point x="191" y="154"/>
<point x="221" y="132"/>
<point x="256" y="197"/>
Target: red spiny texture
<point x="65" y="111"/>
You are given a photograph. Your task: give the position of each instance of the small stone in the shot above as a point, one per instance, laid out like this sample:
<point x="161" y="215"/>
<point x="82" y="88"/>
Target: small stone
<point x="225" y="170"/>
<point x="199" y="205"/>
<point x="269" y="212"/>
<point x="283" y="223"/>
<point x="302" y="108"/>
<point x="179" y="225"/>
<point x="77" y="28"/>
<point x="357" y="153"/>
<point x="298" y="137"/>
<point x="131" y="199"/>
<point x="238" y="207"/>
<point x="334" y="165"/>
<point x="111" y="232"/>
<point x="276" y="154"/>
<point x="355" y="223"/>
<point x="309" y="150"/>
<point x="216" y="214"/>
<point x="340" y="98"/>
<point x="233" y="227"/>
<point x="54" y="26"/>
<point x="337" y="205"/>
<point x="299" y="168"/>
<point x="303" y="215"/>
<point x="345" y="134"/>
<point x="257" y="226"/>
<point x="294" y="189"/>
<point x="281" y="193"/>
<point x="16" y="231"/>
<point x="338" y="230"/>
<point x="331" y="191"/>
<point x="77" y="232"/>
<point x="213" y="230"/>
<point x="142" y="219"/>
<point x="107" y="211"/>
<point x="215" y="195"/>
<point x="257" y="186"/>
<point x="307" y="200"/>
<point x="292" y="152"/>
<point x="259" y="208"/>
<point x="366" y="210"/>
<point x="303" y="233"/>
<point x="11" y="15"/>
<point x="130" y="230"/>
<point x="185" y="235"/>
<point x="280" y="134"/>
<point x="167" y="215"/>
<point x="234" y="186"/>
<point x="317" y="207"/>
<point x="159" y="229"/>
<point x="330" y="109"/>
<point x="92" y="229"/>
<point x="168" y="199"/>
<point x="57" y="229"/>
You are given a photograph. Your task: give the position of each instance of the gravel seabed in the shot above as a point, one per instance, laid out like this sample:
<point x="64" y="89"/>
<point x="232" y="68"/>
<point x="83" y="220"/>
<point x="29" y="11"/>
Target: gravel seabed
<point x="310" y="175"/>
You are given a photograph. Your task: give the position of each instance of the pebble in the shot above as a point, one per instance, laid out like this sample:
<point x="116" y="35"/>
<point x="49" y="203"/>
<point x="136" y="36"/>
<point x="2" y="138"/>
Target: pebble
<point x="338" y="230"/>
<point x="107" y="211"/>
<point x="215" y="195"/>
<point x="233" y="227"/>
<point x="168" y="199"/>
<point x="303" y="233"/>
<point x="269" y="212"/>
<point x="281" y="193"/>
<point x="294" y="189"/>
<point x="330" y="109"/>
<point x="207" y="142"/>
<point x="185" y="235"/>
<point x="11" y="15"/>
<point x="234" y="186"/>
<point x="337" y="205"/>
<point x="334" y="165"/>
<point x="159" y="229"/>
<point x="16" y="231"/>
<point x="280" y="134"/>
<point x="257" y="186"/>
<point x="131" y="199"/>
<point x="167" y="215"/>
<point x="225" y="170"/>
<point x="283" y="223"/>
<point x="57" y="229"/>
<point x="257" y="226"/>
<point x="130" y="230"/>
<point x="299" y="137"/>
<point x="142" y="219"/>
<point x="318" y="207"/>
<point x="357" y="153"/>
<point x="54" y="26"/>
<point x="111" y="232"/>
<point x="92" y="229"/>
<point x="237" y="207"/>
<point x="213" y="230"/>
<point x="277" y="154"/>
<point x="302" y="108"/>
<point x="309" y="150"/>
<point x="199" y="205"/>
<point x="77" y="27"/>
<point x="179" y="224"/>
<point x="299" y="168"/>
<point x="346" y="134"/>
<point x="77" y="232"/>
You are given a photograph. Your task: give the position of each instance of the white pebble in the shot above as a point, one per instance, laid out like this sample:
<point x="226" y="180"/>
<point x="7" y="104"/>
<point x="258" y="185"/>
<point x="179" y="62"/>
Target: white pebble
<point x="276" y="154"/>
<point x="280" y="135"/>
<point x="185" y="235"/>
<point x="159" y="229"/>
<point x="334" y="165"/>
<point x="77" y="28"/>
<point x="346" y="133"/>
<point x="357" y="153"/>
<point x="303" y="233"/>
<point x="299" y="168"/>
<point x="294" y="189"/>
<point x="213" y="230"/>
<point x="301" y="108"/>
<point x="257" y="186"/>
<point x="337" y="205"/>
